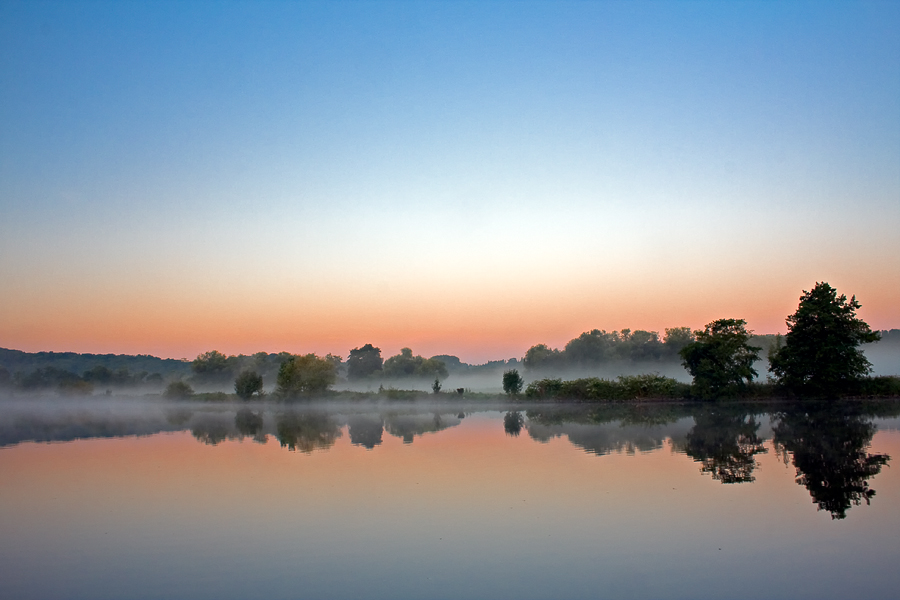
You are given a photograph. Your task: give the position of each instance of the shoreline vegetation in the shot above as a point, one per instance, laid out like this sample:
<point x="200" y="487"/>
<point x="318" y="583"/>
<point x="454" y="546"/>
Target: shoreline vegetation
<point x="819" y="357"/>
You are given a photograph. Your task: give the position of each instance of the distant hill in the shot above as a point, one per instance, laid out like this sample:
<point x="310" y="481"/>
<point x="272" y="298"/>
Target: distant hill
<point x="17" y="361"/>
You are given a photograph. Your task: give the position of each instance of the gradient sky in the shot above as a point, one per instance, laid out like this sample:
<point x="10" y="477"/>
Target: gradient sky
<point x="463" y="178"/>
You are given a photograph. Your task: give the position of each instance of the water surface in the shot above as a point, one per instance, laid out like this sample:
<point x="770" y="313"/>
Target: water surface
<point x="145" y="499"/>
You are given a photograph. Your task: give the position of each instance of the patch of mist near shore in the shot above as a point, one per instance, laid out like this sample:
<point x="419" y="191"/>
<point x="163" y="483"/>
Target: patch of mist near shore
<point x="885" y="358"/>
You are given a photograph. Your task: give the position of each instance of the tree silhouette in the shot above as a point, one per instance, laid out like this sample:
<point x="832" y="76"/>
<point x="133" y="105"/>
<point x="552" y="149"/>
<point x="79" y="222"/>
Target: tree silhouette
<point x="725" y="444"/>
<point x="828" y="449"/>
<point x="364" y="362"/>
<point x="720" y="360"/>
<point x="821" y="355"/>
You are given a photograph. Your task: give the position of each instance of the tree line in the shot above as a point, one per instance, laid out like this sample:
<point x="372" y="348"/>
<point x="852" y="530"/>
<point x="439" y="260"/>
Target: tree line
<point x="819" y="356"/>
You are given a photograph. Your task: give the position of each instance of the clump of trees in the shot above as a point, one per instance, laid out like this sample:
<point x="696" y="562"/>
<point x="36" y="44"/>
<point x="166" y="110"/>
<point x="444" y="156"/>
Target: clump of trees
<point x="405" y="365"/>
<point x="821" y="354"/>
<point x="364" y="362"/>
<point x="598" y="346"/>
<point x="720" y="359"/>
<point x="305" y="375"/>
<point x="247" y="384"/>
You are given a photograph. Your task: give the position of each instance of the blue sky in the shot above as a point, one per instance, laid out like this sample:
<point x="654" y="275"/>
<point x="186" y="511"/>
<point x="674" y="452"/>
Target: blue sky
<point x="468" y="177"/>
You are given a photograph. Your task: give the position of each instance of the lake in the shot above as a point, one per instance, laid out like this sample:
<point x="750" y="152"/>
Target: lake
<point x="140" y="498"/>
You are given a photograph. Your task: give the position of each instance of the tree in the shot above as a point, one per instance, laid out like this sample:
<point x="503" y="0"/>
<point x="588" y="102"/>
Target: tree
<point x="720" y="360"/>
<point x="821" y="353"/>
<point x="364" y="362"/>
<point x="512" y="382"/>
<point x="436" y="386"/>
<point x="305" y="375"/>
<point x="247" y="384"/>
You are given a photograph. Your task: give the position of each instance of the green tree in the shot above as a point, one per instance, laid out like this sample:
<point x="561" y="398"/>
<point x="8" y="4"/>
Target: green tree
<point x="720" y="360"/>
<point x="821" y="354"/>
<point x="305" y="375"/>
<point x="247" y="384"/>
<point x="364" y="362"/>
<point x="512" y="382"/>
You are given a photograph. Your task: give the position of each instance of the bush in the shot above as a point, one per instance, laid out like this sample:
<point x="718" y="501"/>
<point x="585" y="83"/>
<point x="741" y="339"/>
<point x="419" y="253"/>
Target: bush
<point x="594" y="389"/>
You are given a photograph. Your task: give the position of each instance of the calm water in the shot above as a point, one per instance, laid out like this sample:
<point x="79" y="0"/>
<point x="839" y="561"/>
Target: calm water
<point x="137" y="499"/>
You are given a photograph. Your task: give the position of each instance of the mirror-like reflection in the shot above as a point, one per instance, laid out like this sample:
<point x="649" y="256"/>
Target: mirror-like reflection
<point x="725" y="442"/>
<point x="827" y="445"/>
<point x="115" y="498"/>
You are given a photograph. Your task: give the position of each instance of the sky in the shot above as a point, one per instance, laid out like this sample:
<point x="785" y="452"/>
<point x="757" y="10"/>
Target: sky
<point x="467" y="178"/>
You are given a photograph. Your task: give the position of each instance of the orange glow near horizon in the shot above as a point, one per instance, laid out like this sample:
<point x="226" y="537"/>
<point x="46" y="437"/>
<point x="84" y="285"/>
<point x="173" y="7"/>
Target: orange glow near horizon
<point x="476" y="327"/>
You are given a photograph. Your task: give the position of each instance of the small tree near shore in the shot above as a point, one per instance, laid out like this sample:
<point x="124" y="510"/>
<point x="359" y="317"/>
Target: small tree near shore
<point x="512" y="382"/>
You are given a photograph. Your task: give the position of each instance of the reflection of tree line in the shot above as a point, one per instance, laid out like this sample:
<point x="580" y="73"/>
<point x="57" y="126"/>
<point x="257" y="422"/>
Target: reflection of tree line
<point x="307" y="431"/>
<point x="827" y="443"/>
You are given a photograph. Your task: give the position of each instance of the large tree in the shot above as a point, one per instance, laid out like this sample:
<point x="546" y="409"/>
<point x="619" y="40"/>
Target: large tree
<point x="364" y="362"/>
<point x="720" y="360"/>
<point x="305" y="375"/>
<point x="821" y="355"/>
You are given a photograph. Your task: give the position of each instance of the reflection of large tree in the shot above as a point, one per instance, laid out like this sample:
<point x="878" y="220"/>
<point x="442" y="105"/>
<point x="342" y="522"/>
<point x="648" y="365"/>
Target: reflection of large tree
<point x="306" y="431"/>
<point x="829" y="453"/>
<point x="725" y="443"/>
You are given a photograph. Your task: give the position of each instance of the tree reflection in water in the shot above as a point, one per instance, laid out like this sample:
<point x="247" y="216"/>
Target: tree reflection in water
<point x="725" y="442"/>
<point x="250" y="424"/>
<point x="306" y="431"/>
<point x="828" y="447"/>
<point x="513" y="422"/>
<point x="366" y="430"/>
<point x="407" y="426"/>
<point x="212" y="429"/>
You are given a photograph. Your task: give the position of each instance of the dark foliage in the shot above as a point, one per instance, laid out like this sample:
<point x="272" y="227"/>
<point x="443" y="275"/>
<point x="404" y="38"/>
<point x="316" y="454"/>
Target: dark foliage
<point x="247" y="384"/>
<point x="828" y="449"/>
<point x="364" y="362"/>
<point x="721" y="359"/>
<point x="821" y="355"/>
<point x="513" y="421"/>
<point x="512" y="382"/>
<point x="640" y="387"/>
<point x="305" y="375"/>
<point x="725" y="442"/>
